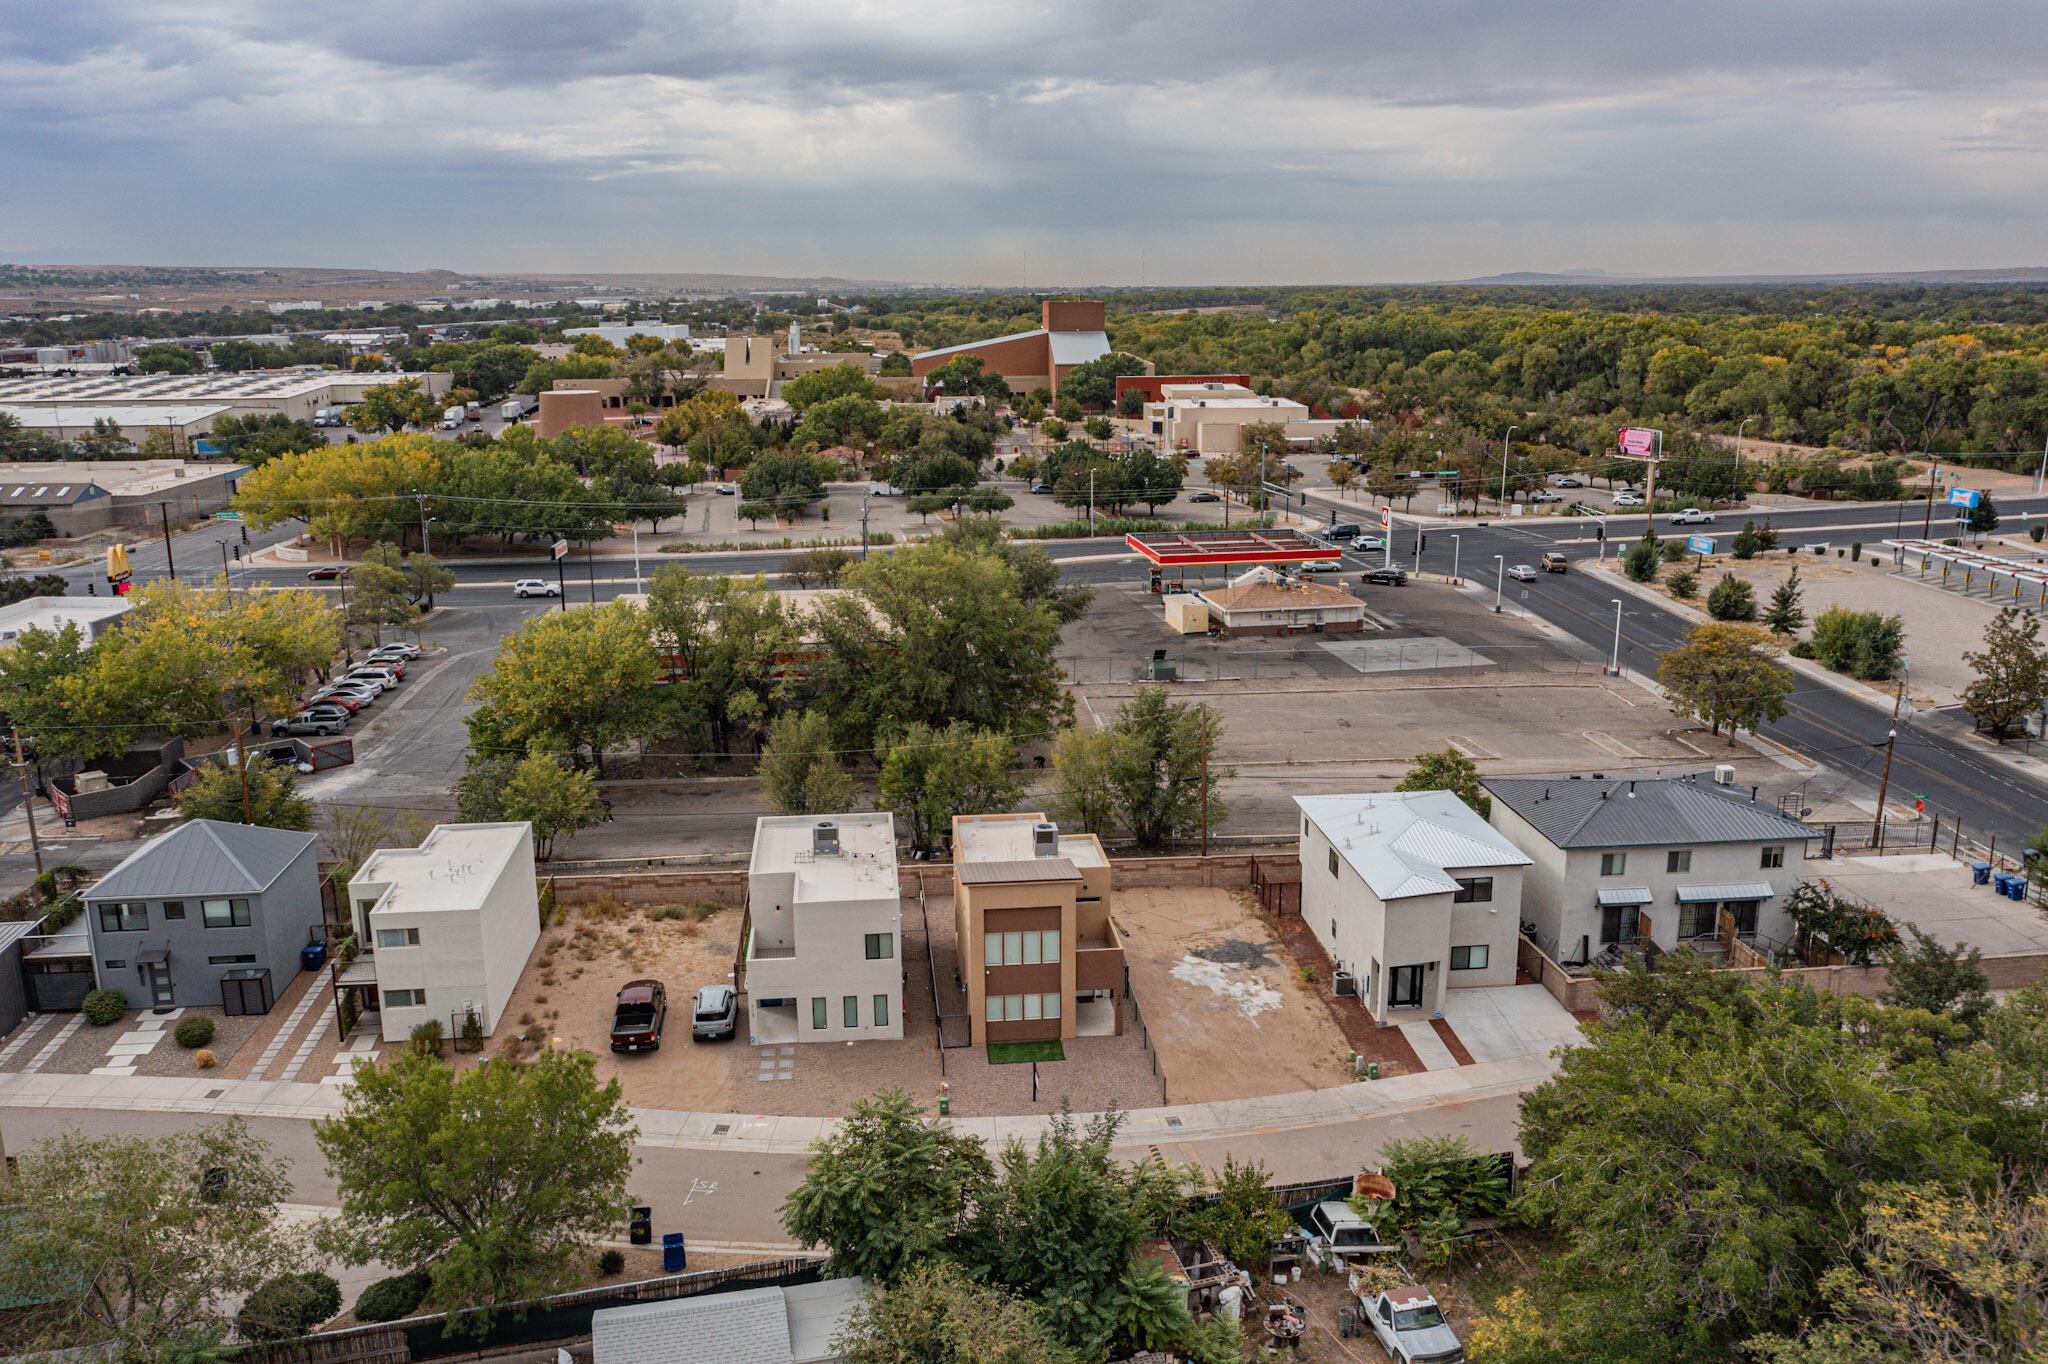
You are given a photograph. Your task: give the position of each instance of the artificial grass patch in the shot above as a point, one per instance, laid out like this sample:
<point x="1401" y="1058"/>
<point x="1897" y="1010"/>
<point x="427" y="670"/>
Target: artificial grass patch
<point x="1019" y="1053"/>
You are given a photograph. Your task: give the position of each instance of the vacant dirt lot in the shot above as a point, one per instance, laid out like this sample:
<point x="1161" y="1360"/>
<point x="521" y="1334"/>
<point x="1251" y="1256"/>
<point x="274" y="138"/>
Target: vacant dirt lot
<point x="1230" y="1019"/>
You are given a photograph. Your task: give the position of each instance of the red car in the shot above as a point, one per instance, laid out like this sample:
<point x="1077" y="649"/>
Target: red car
<point x="637" y="1018"/>
<point x="326" y="572"/>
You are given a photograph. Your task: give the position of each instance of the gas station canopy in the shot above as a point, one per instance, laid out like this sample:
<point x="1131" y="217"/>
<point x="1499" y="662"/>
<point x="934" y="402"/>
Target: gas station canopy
<point x="1198" y="548"/>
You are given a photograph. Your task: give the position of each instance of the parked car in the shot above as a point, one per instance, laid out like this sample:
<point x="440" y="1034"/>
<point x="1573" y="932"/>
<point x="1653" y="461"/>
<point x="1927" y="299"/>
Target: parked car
<point x="1203" y="497"/>
<point x="390" y="664"/>
<point x="535" y="587"/>
<point x="327" y="696"/>
<point x="1522" y="573"/>
<point x="327" y="572"/>
<point x="1567" y="482"/>
<point x="1546" y="497"/>
<point x="1390" y="577"/>
<point x="716" y="1013"/>
<point x="637" y="1017"/>
<point x="1555" y="562"/>
<point x="1628" y="497"/>
<point x="726" y="490"/>
<point x="1334" y="1231"/>
<point x="1368" y="542"/>
<point x="1411" y="1327"/>
<point x="398" y="649"/>
<point x="378" y="674"/>
<point x="360" y="693"/>
<point x="305" y="722"/>
<point x="329" y="710"/>
<point x="1042" y="488"/>
<point x="1319" y="566"/>
<point x="1343" y="530"/>
<point x="1693" y="516"/>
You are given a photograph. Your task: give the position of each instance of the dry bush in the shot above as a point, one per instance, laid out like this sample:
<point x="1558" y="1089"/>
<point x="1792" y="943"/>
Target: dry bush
<point x="205" y="1059"/>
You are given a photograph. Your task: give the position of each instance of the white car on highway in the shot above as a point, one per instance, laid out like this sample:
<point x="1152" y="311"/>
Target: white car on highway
<point x="535" y="587"/>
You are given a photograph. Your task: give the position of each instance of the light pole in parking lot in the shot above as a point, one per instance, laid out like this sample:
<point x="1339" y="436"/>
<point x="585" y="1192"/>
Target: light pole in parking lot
<point x="1615" y="667"/>
<point x="1499" y="580"/>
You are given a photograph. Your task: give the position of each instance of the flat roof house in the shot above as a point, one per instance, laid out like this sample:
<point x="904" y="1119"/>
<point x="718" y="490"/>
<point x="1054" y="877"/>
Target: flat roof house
<point x="204" y="903"/>
<point x="1036" y="946"/>
<point x="824" y="950"/>
<point x="1412" y="893"/>
<point x="1622" y="863"/>
<point x="444" y="928"/>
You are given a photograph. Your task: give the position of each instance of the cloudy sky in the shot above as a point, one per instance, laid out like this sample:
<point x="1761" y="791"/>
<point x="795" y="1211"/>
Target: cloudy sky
<point x="1061" y="142"/>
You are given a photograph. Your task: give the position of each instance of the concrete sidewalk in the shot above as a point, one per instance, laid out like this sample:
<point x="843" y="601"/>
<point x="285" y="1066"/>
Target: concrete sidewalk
<point x="735" y="1131"/>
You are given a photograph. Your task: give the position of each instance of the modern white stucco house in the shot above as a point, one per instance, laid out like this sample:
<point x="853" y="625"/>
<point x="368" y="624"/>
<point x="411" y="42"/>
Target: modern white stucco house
<point x="824" y="952"/>
<point x="1412" y="893"/>
<point x="1622" y="861"/>
<point x="445" y="927"/>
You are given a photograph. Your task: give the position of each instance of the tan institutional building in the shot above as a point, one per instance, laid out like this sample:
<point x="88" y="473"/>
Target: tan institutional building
<point x="1031" y="920"/>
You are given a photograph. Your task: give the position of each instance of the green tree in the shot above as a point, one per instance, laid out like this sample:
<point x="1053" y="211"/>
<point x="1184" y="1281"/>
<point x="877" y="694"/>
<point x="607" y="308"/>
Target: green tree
<point x="754" y="512"/>
<point x="1982" y="518"/>
<point x="1747" y="541"/>
<point x="1639" y="561"/>
<point x="1154" y="767"/>
<point x="1093" y="385"/>
<point x="394" y="406"/>
<point x="887" y="1189"/>
<point x="569" y="682"/>
<point x="496" y="1179"/>
<point x="216" y="792"/>
<point x="1731" y="599"/>
<point x="34" y="678"/>
<point x="1726" y="674"/>
<point x="376" y="596"/>
<point x="788" y="482"/>
<point x="134" y="1244"/>
<point x="288" y="1306"/>
<point x="1785" y="615"/>
<point x="1242" y="1219"/>
<point x="1038" y="577"/>
<point x="1863" y="644"/>
<point x="823" y="385"/>
<point x="259" y="437"/>
<point x="165" y="360"/>
<point x="936" y="1314"/>
<point x="1684" y="585"/>
<point x="929" y="776"/>
<point x="104" y="441"/>
<point x="2012" y="674"/>
<point x="556" y="800"/>
<point x="1449" y="770"/>
<point x="800" y="771"/>
<point x="1941" y="980"/>
<point x="720" y="637"/>
<point x="1081" y="790"/>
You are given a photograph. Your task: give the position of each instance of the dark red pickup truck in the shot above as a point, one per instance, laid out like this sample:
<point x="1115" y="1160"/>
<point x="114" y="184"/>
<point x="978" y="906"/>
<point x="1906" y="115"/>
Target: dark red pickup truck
<point x="638" y="1016"/>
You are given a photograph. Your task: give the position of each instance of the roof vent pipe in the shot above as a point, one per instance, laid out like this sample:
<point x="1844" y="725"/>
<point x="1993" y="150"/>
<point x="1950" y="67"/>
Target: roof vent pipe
<point x="825" y="838"/>
<point x="1045" y="839"/>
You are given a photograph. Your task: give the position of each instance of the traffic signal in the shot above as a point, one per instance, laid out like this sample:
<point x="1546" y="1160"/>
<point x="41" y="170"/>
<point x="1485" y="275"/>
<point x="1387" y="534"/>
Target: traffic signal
<point x="245" y="533"/>
<point x="1600" y="533"/>
<point x="1421" y="543"/>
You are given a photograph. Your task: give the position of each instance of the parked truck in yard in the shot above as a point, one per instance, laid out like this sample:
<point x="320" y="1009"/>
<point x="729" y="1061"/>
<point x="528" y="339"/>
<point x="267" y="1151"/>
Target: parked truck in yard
<point x="637" y="1017"/>
<point x="1411" y="1327"/>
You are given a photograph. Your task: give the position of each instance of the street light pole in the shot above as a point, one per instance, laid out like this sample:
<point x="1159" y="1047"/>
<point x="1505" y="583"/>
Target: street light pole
<point x="1504" y="440"/>
<point x="637" y="589"/>
<point x="1455" y="548"/>
<point x="1499" y="580"/>
<point x="1615" y="666"/>
<point x="2042" y="472"/>
<point x="1738" y="446"/>
<point x="1884" y="782"/>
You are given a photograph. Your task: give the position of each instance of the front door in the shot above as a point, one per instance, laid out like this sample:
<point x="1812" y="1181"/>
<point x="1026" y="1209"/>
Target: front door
<point x="160" y="984"/>
<point x="1404" y="987"/>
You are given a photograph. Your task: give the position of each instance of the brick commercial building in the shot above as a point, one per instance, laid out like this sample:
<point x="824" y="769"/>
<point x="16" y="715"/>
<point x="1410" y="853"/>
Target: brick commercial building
<point x="1071" y="332"/>
<point x="1031" y="918"/>
<point x="1152" y="386"/>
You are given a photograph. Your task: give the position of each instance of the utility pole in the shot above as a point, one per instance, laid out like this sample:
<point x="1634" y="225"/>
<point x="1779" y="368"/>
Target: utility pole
<point x="28" y="806"/>
<point x="1205" y="782"/>
<point x="170" y="565"/>
<point x="1504" y="466"/>
<point x="1927" y="521"/>
<point x="1091" y="504"/>
<point x="425" y="548"/>
<point x="1884" y="782"/>
<point x="864" y="525"/>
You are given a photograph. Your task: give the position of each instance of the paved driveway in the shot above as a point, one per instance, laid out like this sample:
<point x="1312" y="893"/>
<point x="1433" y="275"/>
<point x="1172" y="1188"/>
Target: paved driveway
<point x="1509" y="1022"/>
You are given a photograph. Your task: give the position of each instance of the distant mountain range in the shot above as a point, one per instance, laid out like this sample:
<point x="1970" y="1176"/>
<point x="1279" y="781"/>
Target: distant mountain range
<point x="2026" y="274"/>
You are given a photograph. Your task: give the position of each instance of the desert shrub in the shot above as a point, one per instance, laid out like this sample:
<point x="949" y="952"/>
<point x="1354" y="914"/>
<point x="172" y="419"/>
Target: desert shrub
<point x="1863" y="644"/>
<point x="1732" y="599"/>
<point x="193" y="1033"/>
<point x="205" y="1059"/>
<point x="2036" y="531"/>
<point x="1673" y="550"/>
<point x="1856" y="549"/>
<point x="103" y="1007"/>
<point x="392" y="1298"/>
<point x="426" y="1038"/>
<point x="1640" y="561"/>
<point x="1684" y="584"/>
<point x="610" y="1262"/>
<point x="289" y="1306"/>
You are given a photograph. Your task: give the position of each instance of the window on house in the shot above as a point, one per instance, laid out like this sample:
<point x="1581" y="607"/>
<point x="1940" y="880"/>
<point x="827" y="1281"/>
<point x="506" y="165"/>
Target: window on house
<point x="366" y="905"/>
<point x="881" y="1011"/>
<point x="1030" y="948"/>
<point x="1468" y="958"/>
<point x="124" y="916"/>
<point x="1032" y="1004"/>
<point x="1473" y="890"/>
<point x="224" y="913"/>
<point x="1013" y="1008"/>
<point x="1333" y="861"/>
<point x="1678" y="859"/>
<point x="818" y="1014"/>
<point x="1696" y="921"/>
<point x="1013" y="949"/>
<point x="849" y="1011"/>
<point x="237" y="959"/>
<point x="881" y="946"/>
<point x="116" y="963"/>
<point x="995" y="1008"/>
<point x="174" y="909"/>
<point x="1773" y="857"/>
<point x="398" y="937"/>
<point x="1618" y="923"/>
<point x="405" y="999"/>
<point x="1613" y="864"/>
<point x="1052" y="1005"/>
<point x="1049" y="946"/>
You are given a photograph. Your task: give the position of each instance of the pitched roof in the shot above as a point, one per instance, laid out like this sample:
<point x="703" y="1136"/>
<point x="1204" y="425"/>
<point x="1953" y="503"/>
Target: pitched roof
<point x="1621" y="812"/>
<point x="967" y="347"/>
<point x="1272" y="597"/>
<point x="1406" y="843"/>
<point x="1023" y="869"/>
<point x="203" y="857"/>
<point x="1078" y="348"/>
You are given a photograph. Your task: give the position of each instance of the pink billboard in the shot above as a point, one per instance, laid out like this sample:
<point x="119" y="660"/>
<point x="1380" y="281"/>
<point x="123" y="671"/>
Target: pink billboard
<point x="1637" y="440"/>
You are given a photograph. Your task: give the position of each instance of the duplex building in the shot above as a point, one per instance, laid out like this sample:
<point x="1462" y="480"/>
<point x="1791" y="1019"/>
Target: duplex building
<point x="444" y="929"/>
<point x="1071" y="332"/>
<point x="824" y="952"/>
<point x="1624" y="862"/>
<point x="1035" y="944"/>
<point x="206" y="914"/>
<point x="1411" y="893"/>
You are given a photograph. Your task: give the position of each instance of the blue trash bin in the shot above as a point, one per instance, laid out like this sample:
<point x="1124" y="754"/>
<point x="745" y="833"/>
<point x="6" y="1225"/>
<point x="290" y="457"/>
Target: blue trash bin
<point x="2016" y="888"/>
<point x="674" y="1259"/>
<point x="1980" y="873"/>
<point x="312" y="956"/>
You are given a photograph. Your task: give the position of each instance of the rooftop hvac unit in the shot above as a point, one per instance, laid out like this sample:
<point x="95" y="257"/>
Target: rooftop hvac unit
<point x="825" y="838"/>
<point x="1045" y="839"/>
<point x="1724" y="775"/>
<point x="1344" y="983"/>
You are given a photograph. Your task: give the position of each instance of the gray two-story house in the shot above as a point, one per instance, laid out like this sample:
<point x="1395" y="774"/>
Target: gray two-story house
<point x="1629" y="862"/>
<point x="203" y="904"/>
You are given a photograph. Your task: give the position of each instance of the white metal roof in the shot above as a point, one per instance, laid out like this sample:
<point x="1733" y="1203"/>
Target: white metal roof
<point x="1407" y="843"/>
<point x="67" y="416"/>
<point x="1078" y="348"/>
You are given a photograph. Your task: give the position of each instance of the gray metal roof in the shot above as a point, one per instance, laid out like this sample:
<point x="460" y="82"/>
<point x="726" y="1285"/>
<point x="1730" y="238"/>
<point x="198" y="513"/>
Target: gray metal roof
<point x="1022" y="869"/>
<point x="1624" y="812"/>
<point x="1736" y="890"/>
<point x="204" y="857"/>
<point x="1624" y="895"/>
<point x="1408" y="843"/>
<point x="965" y="347"/>
<point x="15" y="930"/>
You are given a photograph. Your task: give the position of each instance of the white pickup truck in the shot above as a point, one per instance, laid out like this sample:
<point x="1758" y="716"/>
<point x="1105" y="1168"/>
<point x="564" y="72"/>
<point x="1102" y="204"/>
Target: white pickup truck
<point x="1692" y="516"/>
<point x="1411" y="1327"/>
<point x="1335" y="1232"/>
